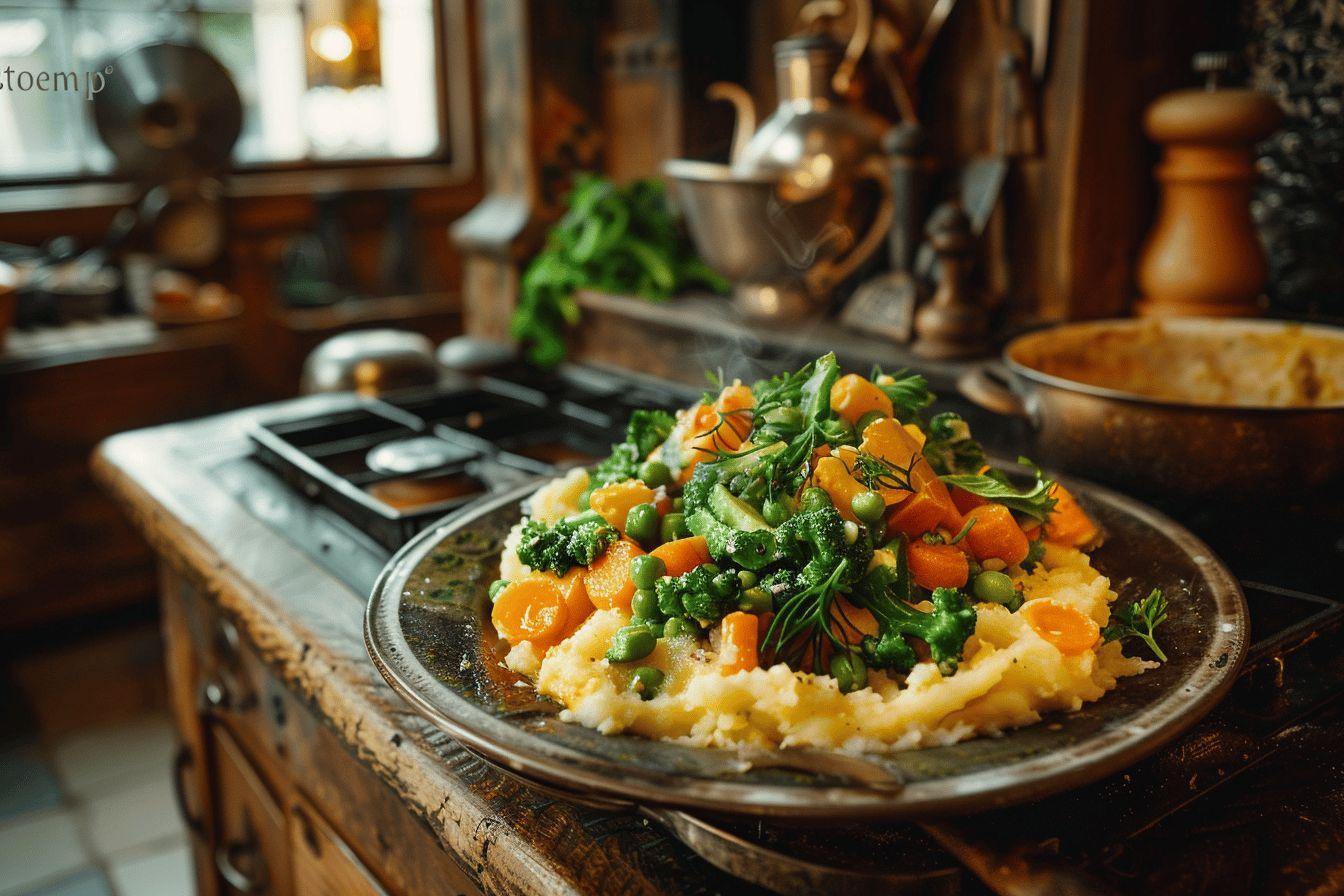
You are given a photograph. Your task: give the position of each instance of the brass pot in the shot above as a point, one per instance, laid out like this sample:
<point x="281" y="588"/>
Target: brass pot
<point x="1159" y="445"/>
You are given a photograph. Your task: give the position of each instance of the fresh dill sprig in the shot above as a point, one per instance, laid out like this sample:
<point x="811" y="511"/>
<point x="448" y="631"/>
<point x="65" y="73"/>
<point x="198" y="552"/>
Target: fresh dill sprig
<point x="1139" y="620"/>
<point x="878" y="472"/>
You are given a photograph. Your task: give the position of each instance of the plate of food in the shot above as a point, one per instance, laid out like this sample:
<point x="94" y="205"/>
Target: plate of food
<point x="808" y="597"/>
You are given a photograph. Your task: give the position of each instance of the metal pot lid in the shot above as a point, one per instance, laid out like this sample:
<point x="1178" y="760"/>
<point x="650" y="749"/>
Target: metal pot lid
<point x="427" y="629"/>
<point x="168" y="107"/>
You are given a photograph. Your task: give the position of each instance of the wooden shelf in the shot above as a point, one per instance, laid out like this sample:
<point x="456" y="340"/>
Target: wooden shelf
<point x="357" y="312"/>
<point x="95" y="340"/>
<point x="681" y="338"/>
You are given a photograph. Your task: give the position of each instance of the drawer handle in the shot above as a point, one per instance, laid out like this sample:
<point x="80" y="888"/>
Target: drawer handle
<point x="183" y="761"/>
<point x="226" y="861"/>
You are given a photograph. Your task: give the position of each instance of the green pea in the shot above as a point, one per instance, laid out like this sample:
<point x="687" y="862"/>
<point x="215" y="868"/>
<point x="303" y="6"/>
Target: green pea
<point x="674" y="527"/>
<point x="677" y="627"/>
<point x="711" y="569"/>
<point x="868" y="419"/>
<point x="646" y="570"/>
<point x="756" y="600"/>
<point x="645" y="604"/>
<point x="868" y="506"/>
<point x="634" y="642"/>
<point x="654" y="473"/>
<point x="746" y="578"/>
<point x="678" y="504"/>
<point x="776" y="512"/>
<point x="656" y="626"/>
<point x="994" y="587"/>
<point x="646" y="682"/>
<point x="849" y="671"/>
<point x="815" y="498"/>
<point x="497" y="586"/>
<point x="641" y="523"/>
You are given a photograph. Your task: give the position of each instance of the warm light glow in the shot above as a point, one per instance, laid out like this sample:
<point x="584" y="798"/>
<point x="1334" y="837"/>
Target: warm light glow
<point x="333" y="42"/>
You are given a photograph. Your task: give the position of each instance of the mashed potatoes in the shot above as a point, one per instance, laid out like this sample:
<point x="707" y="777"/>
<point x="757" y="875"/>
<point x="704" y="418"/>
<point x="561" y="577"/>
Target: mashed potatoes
<point x="1008" y="678"/>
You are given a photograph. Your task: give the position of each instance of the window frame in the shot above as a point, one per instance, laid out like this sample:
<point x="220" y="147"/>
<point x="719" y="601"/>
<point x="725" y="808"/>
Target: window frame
<point x="453" y="101"/>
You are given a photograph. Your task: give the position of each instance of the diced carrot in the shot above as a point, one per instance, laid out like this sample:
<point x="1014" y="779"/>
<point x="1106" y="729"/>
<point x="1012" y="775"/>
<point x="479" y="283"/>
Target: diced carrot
<point x="716" y="428"/>
<point x="965" y="501"/>
<point x="834" y="478"/>
<point x="683" y="555"/>
<point x="996" y="534"/>
<point x="737" y="649"/>
<point x="923" y="512"/>
<point x="937" y="565"/>
<point x="531" y="609"/>
<point x="890" y="441"/>
<point x="852" y="396"/>
<point x="915" y="433"/>
<point x="1069" y="630"/>
<point x="1069" y="524"/>
<point x="608" y="579"/>
<point x="578" y="606"/>
<point x="615" y="500"/>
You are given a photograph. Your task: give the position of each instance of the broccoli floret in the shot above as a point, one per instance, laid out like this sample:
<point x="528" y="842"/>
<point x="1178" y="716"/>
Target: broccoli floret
<point x="750" y="550"/>
<point x="823" y="531"/>
<point x="949" y="447"/>
<point x="557" y="548"/>
<point x="705" y="594"/>
<point x="646" y="430"/>
<point x="695" y="494"/>
<point x="944" y="629"/>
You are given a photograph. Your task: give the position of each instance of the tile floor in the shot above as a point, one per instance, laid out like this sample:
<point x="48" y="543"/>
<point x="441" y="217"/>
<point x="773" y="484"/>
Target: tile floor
<point x="88" y="810"/>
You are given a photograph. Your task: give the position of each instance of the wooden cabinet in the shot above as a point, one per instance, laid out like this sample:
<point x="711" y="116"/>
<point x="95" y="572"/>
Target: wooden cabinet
<point x="251" y="849"/>
<point x="276" y="804"/>
<point x="323" y="863"/>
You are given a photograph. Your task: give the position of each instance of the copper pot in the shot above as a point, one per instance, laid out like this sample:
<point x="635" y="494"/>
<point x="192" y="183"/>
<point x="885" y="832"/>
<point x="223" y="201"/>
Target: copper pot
<point x="1092" y="425"/>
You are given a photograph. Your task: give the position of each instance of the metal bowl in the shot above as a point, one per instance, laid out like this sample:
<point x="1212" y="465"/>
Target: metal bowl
<point x="1160" y="446"/>
<point x="370" y="362"/>
<point x="428" y="630"/>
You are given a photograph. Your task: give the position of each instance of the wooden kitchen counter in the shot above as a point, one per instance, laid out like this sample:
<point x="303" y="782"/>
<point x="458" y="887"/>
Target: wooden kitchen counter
<point x="301" y="771"/>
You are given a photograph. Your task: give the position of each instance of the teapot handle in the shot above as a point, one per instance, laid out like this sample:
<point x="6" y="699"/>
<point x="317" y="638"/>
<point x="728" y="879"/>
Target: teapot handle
<point x="858" y="43"/>
<point x="744" y="110"/>
<point x="827" y="275"/>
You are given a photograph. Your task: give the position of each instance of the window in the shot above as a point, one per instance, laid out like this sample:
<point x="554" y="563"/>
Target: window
<point x="321" y="80"/>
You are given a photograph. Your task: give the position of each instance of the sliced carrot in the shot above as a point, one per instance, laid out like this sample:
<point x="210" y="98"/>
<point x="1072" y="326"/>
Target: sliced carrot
<point x="531" y="609"/>
<point x="737" y="650"/>
<point x="1069" y="524"/>
<point x="608" y="580"/>
<point x="922" y="512"/>
<point x="733" y="404"/>
<point x="834" y="478"/>
<point x="578" y="606"/>
<point x="852" y="396"/>
<point x="937" y="565"/>
<point x="996" y="534"/>
<point x="615" y="500"/>
<point x="1063" y="626"/>
<point x="683" y="555"/>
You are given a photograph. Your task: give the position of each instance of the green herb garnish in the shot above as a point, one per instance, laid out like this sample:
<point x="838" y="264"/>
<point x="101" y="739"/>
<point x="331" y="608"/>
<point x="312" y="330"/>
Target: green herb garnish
<point x="1139" y="620"/>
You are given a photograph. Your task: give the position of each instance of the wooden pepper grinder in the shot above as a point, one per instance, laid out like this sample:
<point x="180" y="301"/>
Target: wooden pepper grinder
<point x="953" y="324"/>
<point x="1202" y="256"/>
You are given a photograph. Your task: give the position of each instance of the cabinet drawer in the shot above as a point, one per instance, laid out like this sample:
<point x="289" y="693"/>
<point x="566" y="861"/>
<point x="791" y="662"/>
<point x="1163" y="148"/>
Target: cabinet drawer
<point x="323" y="864"/>
<point x="251" y="846"/>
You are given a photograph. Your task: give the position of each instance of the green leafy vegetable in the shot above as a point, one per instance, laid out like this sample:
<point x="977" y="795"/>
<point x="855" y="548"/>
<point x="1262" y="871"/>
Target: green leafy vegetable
<point x="618" y="239"/>
<point x="909" y="394"/>
<point x="557" y="548"/>
<point x="1139" y="620"/>
<point x="949" y="447"/>
<point x="1034" y="502"/>
<point x="646" y="430"/>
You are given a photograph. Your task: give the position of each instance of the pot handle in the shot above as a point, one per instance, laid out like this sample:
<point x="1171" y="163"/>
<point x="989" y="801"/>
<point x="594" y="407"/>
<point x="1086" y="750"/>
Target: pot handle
<point x="827" y="275"/>
<point x="987" y="386"/>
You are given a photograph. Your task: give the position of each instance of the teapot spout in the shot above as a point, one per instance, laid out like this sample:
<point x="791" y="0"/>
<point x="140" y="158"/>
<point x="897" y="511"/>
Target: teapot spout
<point x="745" y="115"/>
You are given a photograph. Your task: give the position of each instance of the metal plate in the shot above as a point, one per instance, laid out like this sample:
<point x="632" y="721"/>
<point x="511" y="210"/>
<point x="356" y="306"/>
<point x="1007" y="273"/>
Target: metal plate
<point x="428" y="631"/>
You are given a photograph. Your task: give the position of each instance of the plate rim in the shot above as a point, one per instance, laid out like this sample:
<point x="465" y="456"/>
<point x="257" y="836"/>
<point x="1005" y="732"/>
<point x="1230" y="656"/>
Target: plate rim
<point x="1031" y="778"/>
